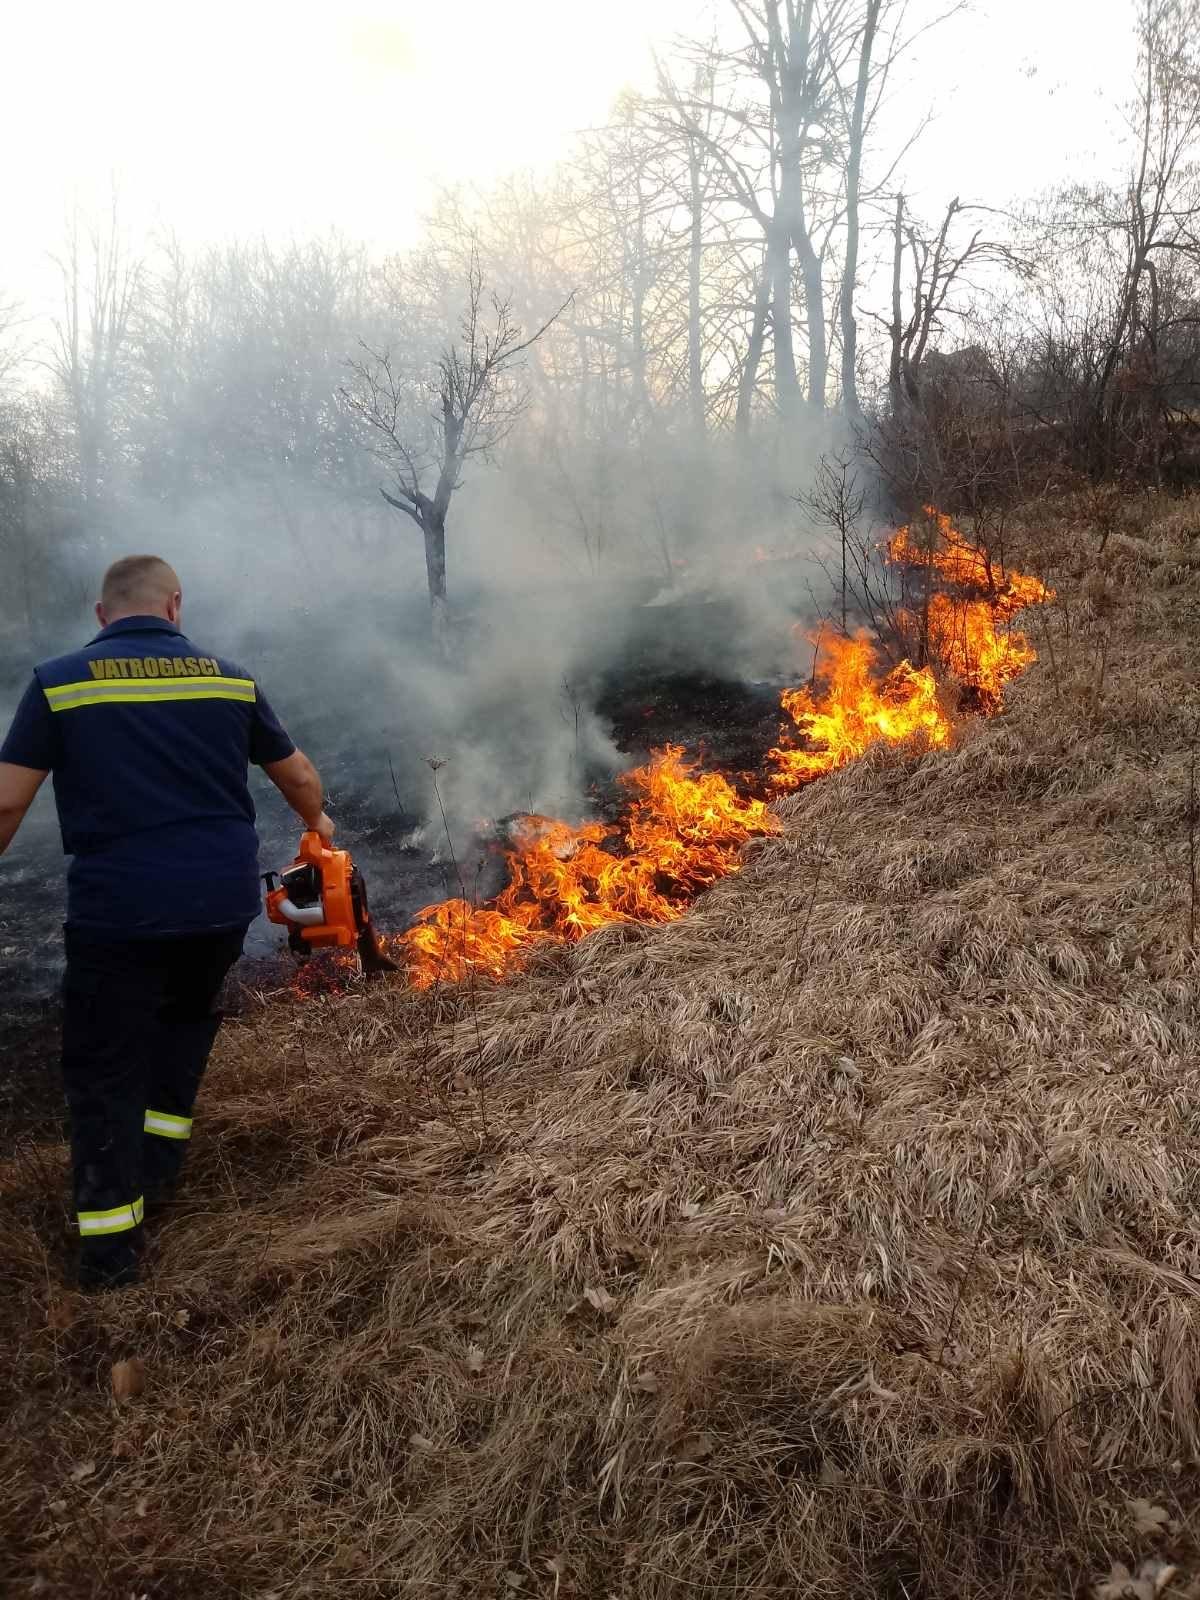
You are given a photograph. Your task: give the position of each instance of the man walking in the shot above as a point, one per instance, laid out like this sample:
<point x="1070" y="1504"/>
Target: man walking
<point x="148" y="739"/>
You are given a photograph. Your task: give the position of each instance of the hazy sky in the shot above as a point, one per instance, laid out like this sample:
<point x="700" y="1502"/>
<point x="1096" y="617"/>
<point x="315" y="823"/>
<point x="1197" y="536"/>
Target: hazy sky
<point x="287" y="116"/>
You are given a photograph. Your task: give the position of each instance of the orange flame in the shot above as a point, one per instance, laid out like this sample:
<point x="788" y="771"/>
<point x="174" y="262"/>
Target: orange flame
<point x="684" y="827"/>
<point x="970" y="637"/>
<point x="860" y="705"/>
<point x="857" y="708"/>
<point x="683" y="831"/>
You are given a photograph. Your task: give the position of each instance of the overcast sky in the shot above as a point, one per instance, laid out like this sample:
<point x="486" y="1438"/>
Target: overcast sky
<point x="288" y="116"/>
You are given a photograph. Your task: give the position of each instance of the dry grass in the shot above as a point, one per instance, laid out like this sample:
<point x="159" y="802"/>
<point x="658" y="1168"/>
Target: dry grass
<point x="840" y="1239"/>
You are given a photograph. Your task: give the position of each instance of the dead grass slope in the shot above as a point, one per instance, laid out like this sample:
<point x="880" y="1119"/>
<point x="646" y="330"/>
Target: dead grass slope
<point x="841" y="1239"/>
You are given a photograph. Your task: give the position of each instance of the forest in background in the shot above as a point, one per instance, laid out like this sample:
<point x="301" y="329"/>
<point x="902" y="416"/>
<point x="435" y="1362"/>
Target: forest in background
<point x="644" y="354"/>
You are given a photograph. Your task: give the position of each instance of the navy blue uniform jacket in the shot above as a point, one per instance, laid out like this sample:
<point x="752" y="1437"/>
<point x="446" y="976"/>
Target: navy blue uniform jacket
<point x="149" y="742"/>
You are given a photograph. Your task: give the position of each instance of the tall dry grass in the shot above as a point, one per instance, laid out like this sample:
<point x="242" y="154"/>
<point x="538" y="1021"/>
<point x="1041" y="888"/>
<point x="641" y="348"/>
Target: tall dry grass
<point x="840" y="1239"/>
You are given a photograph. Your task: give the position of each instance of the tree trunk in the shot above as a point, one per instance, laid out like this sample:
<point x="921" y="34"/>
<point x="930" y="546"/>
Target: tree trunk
<point x="749" y="377"/>
<point x="430" y="516"/>
<point x="787" y="380"/>
<point x="695" y="261"/>
<point x="896" y="362"/>
<point x="814" y="297"/>
<point x="850" y="401"/>
<point x="792" y="64"/>
<point x="433" y="526"/>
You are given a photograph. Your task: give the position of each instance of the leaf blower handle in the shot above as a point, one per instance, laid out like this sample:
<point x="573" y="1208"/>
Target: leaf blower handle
<point x="312" y="846"/>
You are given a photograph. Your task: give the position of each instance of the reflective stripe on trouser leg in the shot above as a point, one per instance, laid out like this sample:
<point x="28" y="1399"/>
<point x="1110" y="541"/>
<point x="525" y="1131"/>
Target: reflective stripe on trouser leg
<point x="118" y="1219"/>
<point x="167" y="1126"/>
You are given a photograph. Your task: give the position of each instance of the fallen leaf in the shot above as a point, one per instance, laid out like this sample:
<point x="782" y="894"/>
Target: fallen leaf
<point x="1152" y="1578"/>
<point x="690" y="1209"/>
<point x="1118" y="1583"/>
<point x="599" y="1298"/>
<point x="514" y="1580"/>
<point x="474" y="1358"/>
<point x="60" y="1314"/>
<point x="1147" y="1518"/>
<point x="420" y="1442"/>
<point x="181" y="1318"/>
<point x="128" y="1378"/>
<point x="83" y="1471"/>
<point x="557" y="1565"/>
<point x="831" y="1476"/>
<point x="695" y="1447"/>
<point x="58" y="1507"/>
<point x="647" y="1382"/>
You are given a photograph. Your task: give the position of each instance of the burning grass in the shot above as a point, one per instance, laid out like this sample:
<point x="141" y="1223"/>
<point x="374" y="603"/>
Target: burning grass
<point x="685" y="827"/>
<point x="682" y="832"/>
<point x="837" y="1238"/>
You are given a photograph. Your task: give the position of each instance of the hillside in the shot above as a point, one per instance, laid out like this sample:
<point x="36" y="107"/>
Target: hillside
<point x="839" y="1238"/>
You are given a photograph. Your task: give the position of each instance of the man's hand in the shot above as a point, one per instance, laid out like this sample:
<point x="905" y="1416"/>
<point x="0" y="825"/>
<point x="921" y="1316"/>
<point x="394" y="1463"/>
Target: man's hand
<point x="18" y="785"/>
<point x="324" y="826"/>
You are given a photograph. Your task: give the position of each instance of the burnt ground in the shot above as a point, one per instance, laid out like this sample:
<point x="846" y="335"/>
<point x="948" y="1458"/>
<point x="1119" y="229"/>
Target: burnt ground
<point x="651" y="700"/>
<point x="729" y="727"/>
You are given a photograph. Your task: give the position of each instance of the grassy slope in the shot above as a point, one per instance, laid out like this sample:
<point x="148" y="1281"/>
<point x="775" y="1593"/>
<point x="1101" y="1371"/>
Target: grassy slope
<point x="839" y="1239"/>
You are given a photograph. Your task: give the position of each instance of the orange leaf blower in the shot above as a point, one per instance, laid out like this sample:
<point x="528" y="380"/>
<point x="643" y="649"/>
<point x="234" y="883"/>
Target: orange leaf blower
<point x="321" y="899"/>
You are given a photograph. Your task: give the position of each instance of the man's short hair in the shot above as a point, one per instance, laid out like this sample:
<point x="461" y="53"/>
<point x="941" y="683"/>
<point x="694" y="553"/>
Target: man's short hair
<point x="138" y="583"/>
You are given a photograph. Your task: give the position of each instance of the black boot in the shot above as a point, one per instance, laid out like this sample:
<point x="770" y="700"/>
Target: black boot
<point x="113" y="1266"/>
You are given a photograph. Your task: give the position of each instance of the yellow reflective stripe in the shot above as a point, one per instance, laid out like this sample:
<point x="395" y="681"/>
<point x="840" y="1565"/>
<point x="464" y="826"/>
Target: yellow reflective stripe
<point x="116" y="691"/>
<point x="118" y="1220"/>
<point x="150" y="682"/>
<point x="169" y="1127"/>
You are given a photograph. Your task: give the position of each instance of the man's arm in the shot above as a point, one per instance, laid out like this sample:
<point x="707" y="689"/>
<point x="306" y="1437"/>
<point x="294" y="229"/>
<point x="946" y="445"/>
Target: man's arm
<point x="300" y="785"/>
<point x="289" y="769"/>
<point x="18" y="785"/>
<point x="26" y="756"/>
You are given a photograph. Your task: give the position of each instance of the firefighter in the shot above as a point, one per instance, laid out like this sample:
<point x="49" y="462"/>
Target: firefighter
<point x="148" y="738"/>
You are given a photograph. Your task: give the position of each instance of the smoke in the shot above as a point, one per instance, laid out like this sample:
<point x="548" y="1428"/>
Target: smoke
<point x="575" y="565"/>
<point x="705" y="565"/>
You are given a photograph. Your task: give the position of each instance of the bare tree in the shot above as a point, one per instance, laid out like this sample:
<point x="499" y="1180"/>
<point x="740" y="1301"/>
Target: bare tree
<point x="854" y="157"/>
<point x="1162" y="212"/>
<point x="476" y="406"/>
<point x="1111" y="364"/>
<point x="794" y="108"/>
<point x="12" y="350"/>
<point x="939" y="268"/>
<point x="101" y="284"/>
<point x="837" y="499"/>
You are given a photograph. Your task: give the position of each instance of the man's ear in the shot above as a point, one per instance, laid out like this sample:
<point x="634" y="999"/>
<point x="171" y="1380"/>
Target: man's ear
<point x="175" y="607"/>
<point x="100" y="617"/>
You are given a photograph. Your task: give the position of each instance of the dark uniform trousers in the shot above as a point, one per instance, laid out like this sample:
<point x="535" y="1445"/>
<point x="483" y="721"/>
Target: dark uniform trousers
<point x="139" y="1021"/>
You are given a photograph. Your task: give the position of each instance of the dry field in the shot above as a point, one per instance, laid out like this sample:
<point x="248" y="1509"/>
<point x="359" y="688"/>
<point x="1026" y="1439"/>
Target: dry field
<point x="840" y="1239"/>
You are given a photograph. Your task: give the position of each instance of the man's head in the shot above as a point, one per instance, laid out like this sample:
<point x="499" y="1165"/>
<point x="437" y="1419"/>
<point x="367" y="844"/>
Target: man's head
<point x="139" y="586"/>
